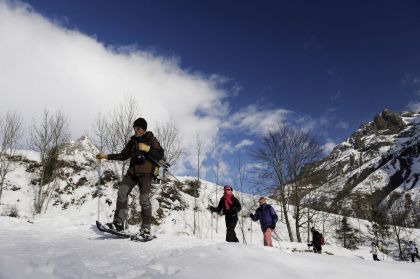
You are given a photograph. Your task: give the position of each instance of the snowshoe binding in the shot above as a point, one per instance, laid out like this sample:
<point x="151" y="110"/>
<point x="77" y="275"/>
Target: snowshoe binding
<point x="143" y="236"/>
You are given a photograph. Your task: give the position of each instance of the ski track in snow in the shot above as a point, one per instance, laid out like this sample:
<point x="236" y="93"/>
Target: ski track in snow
<point x="60" y="248"/>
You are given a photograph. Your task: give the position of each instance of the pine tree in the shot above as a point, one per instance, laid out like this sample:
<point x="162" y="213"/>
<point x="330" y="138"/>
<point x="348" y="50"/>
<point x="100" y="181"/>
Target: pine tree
<point x="380" y="230"/>
<point x="346" y="235"/>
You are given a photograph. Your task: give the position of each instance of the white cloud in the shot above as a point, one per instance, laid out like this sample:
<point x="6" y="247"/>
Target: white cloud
<point x="45" y="65"/>
<point x="329" y="146"/>
<point x="337" y="95"/>
<point x="243" y="143"/>
<point x="256" y="120"/>
<point x="307" y="123"/>
<point x="410" y="80"/>
<point x="342" y="125"/>
<point x="414" y="106"/>
<point x="224" y="173"/>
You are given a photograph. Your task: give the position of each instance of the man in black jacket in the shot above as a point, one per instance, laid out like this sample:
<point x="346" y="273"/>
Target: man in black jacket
<point x="230" y="206"/>
<point x="142" y="149"/>
<point x="316" y="240"/>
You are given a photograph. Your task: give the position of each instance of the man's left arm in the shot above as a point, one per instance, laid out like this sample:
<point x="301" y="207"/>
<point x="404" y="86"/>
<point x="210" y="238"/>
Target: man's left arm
<point x="156" y="151"/>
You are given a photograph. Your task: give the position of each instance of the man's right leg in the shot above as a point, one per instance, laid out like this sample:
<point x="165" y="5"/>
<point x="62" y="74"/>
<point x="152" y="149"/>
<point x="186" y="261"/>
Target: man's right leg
<point x="121" y="211"/>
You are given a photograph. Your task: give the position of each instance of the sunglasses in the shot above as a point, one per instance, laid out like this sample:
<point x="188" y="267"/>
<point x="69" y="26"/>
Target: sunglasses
<point x="228" y="189"/>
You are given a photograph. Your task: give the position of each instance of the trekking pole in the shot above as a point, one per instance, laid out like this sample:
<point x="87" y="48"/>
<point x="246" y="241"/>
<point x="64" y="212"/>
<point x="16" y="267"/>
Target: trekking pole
<point x="251" y="231"/>
<point x="211" y="226"/>
<point x="242" y="230"/>
<point x="164" y="165"/>
<point x="278" y="238"/>
<point x="98" y="190"/>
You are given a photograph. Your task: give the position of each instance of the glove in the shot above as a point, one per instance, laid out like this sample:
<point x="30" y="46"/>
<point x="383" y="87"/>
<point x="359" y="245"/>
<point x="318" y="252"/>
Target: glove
<point x="211" y="208"/>
<point x="251" y="215"/>
<point x="101" y="156"/>
<point x="143" y="147"/>
<point x="272" y="227"/>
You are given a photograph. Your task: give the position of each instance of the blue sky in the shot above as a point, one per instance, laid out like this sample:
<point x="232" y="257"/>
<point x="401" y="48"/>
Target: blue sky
<point x="310" y="57"/>
<point x="327" y="65"/>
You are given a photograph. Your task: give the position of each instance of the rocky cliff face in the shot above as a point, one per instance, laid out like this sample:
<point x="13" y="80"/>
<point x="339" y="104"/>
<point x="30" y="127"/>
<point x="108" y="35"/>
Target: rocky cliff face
<point x="377" y="167"/>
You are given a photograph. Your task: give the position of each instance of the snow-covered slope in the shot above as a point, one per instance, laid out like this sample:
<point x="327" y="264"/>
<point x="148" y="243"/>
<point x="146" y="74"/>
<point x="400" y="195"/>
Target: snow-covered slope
<point x="61" y="247"/>
<point x="63" y="242"/>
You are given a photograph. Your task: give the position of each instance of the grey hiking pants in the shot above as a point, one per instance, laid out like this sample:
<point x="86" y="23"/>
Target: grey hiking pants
<point x="127" y="185"/>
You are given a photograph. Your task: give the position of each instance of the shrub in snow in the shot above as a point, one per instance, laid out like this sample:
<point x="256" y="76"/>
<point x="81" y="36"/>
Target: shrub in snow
<point x="15" y="188"/>
<point x="191" y="187"/>
<point x="11" y="211"/>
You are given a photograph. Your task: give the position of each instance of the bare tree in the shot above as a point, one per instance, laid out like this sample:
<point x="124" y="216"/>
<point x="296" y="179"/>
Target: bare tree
<point x="301" y="149"/>
<point x="112" y="145"/>
<point x="10" y="134"/>
<point x="199" y="149"/>
<point x="217" y="159"/>
<point x="121" y="126"/>
<point x="315" y="213"/>
<point x="47" y="136"/>
<point x="101" y="132"/>
<point x="241" y="175"/>
<point x="282" y="154"/>
<point x="270" y="154"/>
<point x="397" y="218"/>
<point x="168" y="136"/>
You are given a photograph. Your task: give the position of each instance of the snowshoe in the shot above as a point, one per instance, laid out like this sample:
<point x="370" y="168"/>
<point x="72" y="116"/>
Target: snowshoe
<point x="110" y="230"/>
<point x="115" y="226"/>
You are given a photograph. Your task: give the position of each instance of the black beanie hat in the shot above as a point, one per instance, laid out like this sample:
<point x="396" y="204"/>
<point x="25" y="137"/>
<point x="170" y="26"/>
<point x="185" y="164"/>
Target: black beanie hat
<point x="140" y="122"/>
<point x="227" y="187"/>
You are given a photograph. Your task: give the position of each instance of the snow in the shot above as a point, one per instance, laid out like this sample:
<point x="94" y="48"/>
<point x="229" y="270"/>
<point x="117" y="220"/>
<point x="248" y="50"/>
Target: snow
<point x="61" y="247"/>
<point x="64" y="243"/>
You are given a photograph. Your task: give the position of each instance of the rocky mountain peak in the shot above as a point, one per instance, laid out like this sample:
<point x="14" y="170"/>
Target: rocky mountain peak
<point x="390" y="121"/>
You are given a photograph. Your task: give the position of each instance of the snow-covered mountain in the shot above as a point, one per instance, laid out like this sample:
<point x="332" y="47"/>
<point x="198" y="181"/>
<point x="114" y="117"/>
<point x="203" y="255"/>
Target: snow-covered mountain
<point x="377" y="166"/>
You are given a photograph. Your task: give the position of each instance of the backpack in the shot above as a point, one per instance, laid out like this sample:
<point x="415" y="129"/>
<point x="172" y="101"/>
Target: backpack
<point x="322" y="240"/>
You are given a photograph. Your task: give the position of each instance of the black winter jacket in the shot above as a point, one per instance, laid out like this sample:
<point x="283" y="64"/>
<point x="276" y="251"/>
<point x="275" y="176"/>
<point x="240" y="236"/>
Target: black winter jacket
<point x="140" y="162"/>
<point x="316" y="237"/>
<point x="235" y="207"/>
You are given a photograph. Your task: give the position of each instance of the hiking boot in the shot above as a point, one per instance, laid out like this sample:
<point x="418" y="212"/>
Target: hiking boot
<point x="144" y="232"/>
<point x="116" y="226"/>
